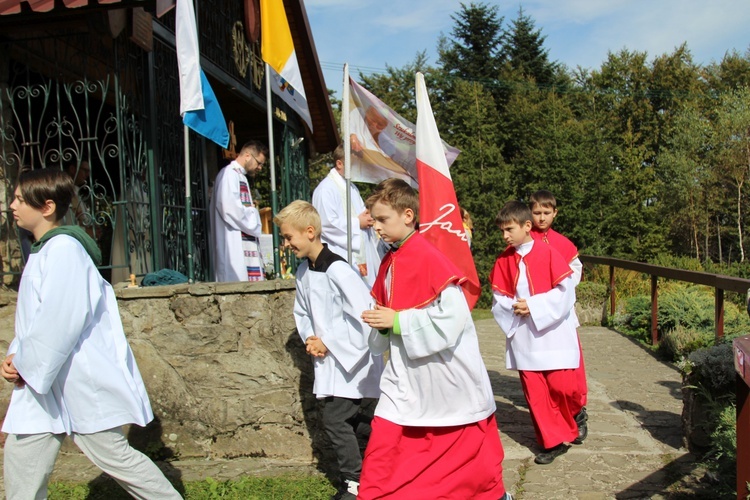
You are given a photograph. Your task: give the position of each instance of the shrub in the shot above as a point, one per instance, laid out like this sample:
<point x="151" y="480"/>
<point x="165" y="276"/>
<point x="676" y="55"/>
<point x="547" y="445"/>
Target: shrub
<point x="677" y="343"/>
<point x="635" y="319"/>
<point x="591" y="294"/>
<point x="677" y="262"/>
<point x="713" y="368"/>
<point x="710" y="378"/>
<point x="685" y="318"/>
<point x="691" y="307"/>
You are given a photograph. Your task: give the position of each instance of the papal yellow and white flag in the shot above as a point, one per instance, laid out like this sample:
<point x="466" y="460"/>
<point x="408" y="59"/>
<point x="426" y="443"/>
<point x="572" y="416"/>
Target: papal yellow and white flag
<point x="278" y="51"/>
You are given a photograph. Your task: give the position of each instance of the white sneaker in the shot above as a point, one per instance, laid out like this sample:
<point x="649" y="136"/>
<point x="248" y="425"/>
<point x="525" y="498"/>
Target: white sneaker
<point x="352" y="487"/>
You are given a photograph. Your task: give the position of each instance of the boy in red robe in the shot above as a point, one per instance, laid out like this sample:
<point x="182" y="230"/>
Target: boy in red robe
<point x="533" y="296"/>
<point x="434" y="433"/>
<point x="543" y="207"/>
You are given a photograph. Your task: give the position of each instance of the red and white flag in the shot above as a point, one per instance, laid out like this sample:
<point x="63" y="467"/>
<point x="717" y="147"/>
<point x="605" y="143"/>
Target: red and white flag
<point x="439" y="216"/>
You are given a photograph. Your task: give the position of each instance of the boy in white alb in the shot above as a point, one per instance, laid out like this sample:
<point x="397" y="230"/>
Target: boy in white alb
<point x="72" y="369"/>
<point x="533" y="296"/>
<point x="328" y="304"/>
<point x="434" y="433"/>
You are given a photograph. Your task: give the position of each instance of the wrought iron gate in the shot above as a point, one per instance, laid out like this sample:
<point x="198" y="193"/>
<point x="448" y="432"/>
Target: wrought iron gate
<point x="73" y="103"/>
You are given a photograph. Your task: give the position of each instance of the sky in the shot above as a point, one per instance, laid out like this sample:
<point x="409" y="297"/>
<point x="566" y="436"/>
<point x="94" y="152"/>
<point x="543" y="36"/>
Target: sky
<point x="370" y="34"/>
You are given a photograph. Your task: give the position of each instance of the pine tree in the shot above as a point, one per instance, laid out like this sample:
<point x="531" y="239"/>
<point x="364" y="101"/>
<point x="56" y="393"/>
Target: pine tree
<point x="523" y="49"/>
<point x="472" y="53"/>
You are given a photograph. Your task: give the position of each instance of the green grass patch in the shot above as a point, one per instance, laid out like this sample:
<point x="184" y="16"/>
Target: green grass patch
<point x="246" y="488"/>
<point x="478" y="314"/>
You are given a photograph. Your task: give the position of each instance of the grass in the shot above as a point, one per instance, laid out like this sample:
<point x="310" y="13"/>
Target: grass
<point x="246" y="488"/>
<point x="478" y="314"/>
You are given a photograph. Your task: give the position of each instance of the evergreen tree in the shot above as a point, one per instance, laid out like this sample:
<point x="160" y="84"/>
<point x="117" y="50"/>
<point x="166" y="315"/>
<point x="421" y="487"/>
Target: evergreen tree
<point x="472" y="53"/>
<point x="480" y="176"/>
<point x="523" y="49"/>
<point x="733" y="72"/>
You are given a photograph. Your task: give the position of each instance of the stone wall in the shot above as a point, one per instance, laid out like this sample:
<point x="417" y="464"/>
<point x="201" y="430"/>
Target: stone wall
<point x="225" y="370"/>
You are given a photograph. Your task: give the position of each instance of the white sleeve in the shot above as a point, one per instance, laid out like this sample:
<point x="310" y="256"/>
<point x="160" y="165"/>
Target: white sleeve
<point x="554" y="306"/>
<point x="577" y="266"/>
<point x="13" y="347"/>
<point x="502" y="310"/>
<point x="302" y="315"/>
<point x="436" y="327"/>
<point x="66" y="296"/>
<point x="333" y="218"/>
<point x="378" y="343"/>
<point x="230" y="208"/>
<point x="351" y="346"/>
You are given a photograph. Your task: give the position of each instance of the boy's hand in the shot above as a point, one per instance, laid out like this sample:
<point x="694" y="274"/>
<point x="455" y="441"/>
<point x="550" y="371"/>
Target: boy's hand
<point x="365" y="220"/>
<point x="521" y="308"/>
<point x="379" y="318"/>
<point x="9" y="372"/>
<point x="315" y="347"/>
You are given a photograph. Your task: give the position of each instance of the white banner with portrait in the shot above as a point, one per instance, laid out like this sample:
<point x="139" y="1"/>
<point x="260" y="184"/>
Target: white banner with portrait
<point x="383" y="144"/>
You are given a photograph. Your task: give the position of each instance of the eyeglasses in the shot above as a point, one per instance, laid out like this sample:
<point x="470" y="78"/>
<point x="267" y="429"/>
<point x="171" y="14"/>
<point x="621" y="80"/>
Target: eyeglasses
<point x="260" y="163"/>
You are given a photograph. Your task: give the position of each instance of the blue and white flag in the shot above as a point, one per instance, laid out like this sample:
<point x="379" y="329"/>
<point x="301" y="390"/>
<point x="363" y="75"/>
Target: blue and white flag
<point x="198" y="105"/>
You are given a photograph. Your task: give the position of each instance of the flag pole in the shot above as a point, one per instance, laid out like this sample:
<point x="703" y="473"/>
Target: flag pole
<point x="272" y="171"/>
<point x="188" y="207"/>
<point x="347" y="162"/>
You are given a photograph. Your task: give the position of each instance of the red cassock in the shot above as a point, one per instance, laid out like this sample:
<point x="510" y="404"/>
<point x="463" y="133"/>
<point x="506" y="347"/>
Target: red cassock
<point x="569" y="251"/>
<point x="553" y="396"/>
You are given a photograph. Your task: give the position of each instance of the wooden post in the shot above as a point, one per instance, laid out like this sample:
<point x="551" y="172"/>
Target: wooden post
<point x="743" y="438"/>
<point x="612" y="290"/>
<point x="654" y="310"/>
<point x="741" y="350"/>
<point x="719" y="312"/>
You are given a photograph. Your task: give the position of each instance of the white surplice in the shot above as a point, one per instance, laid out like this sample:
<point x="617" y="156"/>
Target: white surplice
<point x="229" y="219"/>
<point x="329" y="199"/>
<point x="547" y="338"/>
<point x="329" y="305"/>
<point x="71" y="350"/>
<point x="435" y="375"/>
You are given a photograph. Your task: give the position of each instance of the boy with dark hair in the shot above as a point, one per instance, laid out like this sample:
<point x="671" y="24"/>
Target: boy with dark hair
<point x="71" y="366"/>
<point x="543" y="207"/>
<point x="533" y="296"/>
<point x="434" y="433"/>
<point x="329" y="301"/>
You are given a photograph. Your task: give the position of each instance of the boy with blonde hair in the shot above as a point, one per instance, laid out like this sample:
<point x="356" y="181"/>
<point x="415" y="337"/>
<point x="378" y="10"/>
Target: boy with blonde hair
<point x="72" y="368"/>
<point x="533" y="296"/>
<point x="543" y="207"/>
<point x="328" y="304"/>
<point x="434" y="433"/>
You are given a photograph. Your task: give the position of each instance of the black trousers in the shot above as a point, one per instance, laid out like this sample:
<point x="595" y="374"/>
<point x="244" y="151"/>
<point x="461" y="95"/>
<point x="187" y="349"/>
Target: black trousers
<point x="341" y="417"/>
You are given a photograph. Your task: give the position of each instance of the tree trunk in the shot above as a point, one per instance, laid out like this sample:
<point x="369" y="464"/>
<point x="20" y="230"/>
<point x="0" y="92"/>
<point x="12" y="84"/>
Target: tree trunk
<point x="739" y="220"/>
<point x="718" y="237"/>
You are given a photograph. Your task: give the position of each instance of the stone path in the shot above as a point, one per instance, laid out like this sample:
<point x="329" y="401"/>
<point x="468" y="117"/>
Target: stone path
<point x="633" y="450"/>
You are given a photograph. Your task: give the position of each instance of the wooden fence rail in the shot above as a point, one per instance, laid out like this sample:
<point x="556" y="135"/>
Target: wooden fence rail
<point x="741" y="349"/>
<point x="718" y="282"/>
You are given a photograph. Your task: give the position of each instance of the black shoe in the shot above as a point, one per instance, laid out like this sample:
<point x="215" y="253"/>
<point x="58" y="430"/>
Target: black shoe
<point x="506" y="496"/>
<point x="583" y="427"/>
<point x="548" y="456"/>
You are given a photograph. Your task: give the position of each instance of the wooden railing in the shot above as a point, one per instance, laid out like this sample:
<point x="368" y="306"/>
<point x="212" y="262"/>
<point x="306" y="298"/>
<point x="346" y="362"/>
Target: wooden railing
<point x="741" y="349"/>
<point x="718" y="282"/>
